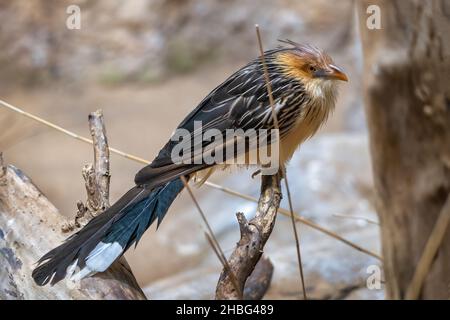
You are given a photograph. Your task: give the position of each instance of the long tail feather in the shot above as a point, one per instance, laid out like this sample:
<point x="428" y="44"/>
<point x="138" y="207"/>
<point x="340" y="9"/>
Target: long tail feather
<point x="106" y="237"/>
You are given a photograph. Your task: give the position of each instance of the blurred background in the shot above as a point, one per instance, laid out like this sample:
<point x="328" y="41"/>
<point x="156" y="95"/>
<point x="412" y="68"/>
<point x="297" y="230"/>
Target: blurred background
<point x="147" y="63"/>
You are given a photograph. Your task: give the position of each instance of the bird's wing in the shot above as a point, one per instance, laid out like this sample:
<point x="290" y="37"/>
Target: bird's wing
<point x="241" y="102"/>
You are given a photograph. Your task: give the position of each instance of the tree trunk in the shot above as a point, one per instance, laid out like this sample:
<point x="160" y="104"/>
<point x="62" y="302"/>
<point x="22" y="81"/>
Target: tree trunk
<point x="407" y="89"/>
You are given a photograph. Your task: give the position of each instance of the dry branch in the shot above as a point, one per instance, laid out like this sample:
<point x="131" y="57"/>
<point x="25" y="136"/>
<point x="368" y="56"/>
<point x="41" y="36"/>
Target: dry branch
<point x="29" y="227"/>
<point x="297" y="218"/>
<point x="283" y="169"/>
<point x="258" y="283"/>
<point x="248" y="251"/>
<point x="96" y="176"/>
<point x="101" y="160"/>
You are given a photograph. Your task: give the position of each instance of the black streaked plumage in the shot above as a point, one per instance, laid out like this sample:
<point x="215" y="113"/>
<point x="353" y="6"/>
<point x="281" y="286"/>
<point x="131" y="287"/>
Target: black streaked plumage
<point x="240" y="102"/>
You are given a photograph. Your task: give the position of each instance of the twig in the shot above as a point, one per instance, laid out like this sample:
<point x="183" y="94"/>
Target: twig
<point x="210" y="184"/>
<point x="298" y="218"/>
<point x="297" y="240"/>
<point x="254" y="235"/>
<point x="99" y="177"/>
<point x="356" y="218"/>
<point x="2" y="166"/>
<point x="212" y="240"/>
<point x="101" y="159"/>
<point x="97" y="180"/>
<point x="67" y="132"/>
<point x="283" y="169"/>
<point x="431" y="248"/>
<point x="226" y="266"/>
<point x="259" y="280"/>
<point x="32" y="234"/>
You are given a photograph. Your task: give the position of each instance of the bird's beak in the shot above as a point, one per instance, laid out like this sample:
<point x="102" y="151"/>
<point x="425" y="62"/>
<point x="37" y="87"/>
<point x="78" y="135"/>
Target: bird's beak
<point x="335" y="73"/>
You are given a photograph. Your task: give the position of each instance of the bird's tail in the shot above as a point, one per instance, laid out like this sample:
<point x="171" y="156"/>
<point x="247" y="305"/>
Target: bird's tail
<point x="106" y="237"/>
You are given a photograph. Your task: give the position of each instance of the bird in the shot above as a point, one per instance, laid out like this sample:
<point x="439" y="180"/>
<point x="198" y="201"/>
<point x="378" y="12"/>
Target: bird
<point x="304" y="84"/>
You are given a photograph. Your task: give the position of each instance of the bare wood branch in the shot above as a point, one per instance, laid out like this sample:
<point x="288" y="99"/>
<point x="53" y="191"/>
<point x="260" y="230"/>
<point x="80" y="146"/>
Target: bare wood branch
<point x="298" y="218"/>
<point x="283" y="169"/>
<point x="258" y="283"/>
<point x="2" y="166"/>
<point x="28" y="225"/>
<point x="101" y="159"/>
<point x="96" y="176"/>
<point x="254" y="234"/>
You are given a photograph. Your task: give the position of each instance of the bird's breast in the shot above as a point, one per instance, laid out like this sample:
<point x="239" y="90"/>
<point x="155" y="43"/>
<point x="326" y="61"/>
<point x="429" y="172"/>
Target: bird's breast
<point x="313" y="115"/>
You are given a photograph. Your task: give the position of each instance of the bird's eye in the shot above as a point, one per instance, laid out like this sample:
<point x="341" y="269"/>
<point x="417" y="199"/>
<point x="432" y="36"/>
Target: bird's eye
<point x="312" y="69"/>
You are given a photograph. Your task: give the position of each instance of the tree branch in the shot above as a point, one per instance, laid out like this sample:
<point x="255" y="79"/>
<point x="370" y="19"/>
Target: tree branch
<point x="249" y="249"/>
<point x="29" y="225"/>
<point x="96" y="176"/>
<point x="101" y="160"/>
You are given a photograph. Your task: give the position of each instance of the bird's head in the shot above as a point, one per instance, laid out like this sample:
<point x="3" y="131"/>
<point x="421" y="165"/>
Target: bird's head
<point x="312" y="67"/>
